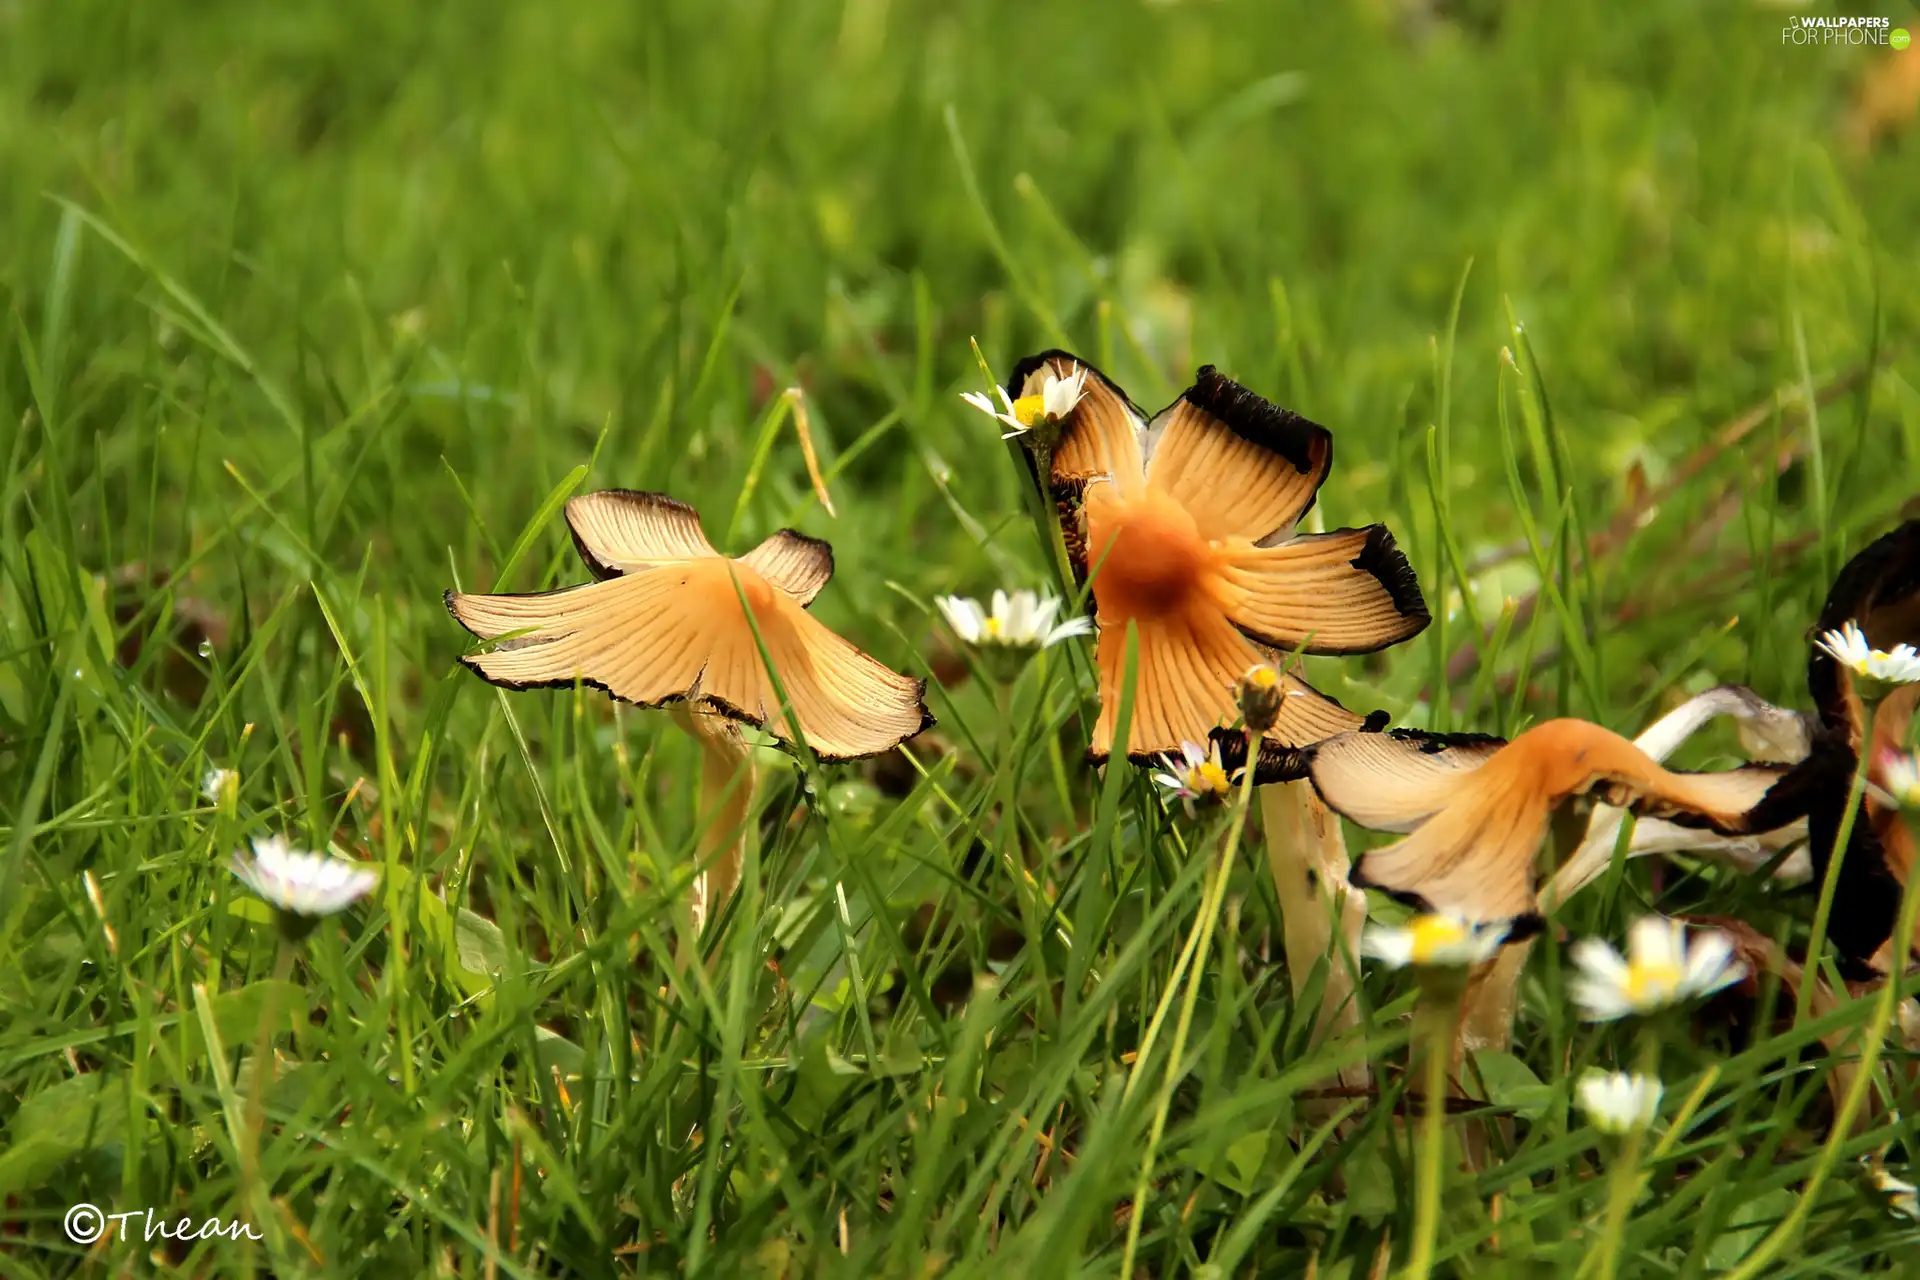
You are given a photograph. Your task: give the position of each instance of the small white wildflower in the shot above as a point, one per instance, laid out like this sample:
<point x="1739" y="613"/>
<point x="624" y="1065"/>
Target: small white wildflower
<point x="1660" y="969"/>
<point x="1615" y="1102"/>
<point x="1060" y="396"/>
<point x="215" y="784"/>
<point x="1902" y="1198"/>
<point x="984" y="403"/>
<point x="1433" y="941"/>
<point x="1020" y="620"/>
<point x="1197" y="775"/>
<point x="1056" y="398"/>
<point x="1848" y="646"/>
<point x="1900" y="778"/>
<point x="305" y="885"/>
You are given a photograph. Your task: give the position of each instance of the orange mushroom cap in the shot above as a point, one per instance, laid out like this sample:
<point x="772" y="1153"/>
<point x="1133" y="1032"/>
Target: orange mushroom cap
<point x="665" y="624"/>
<point x="1476" y="808"/>
<point x="1187" y="525"/>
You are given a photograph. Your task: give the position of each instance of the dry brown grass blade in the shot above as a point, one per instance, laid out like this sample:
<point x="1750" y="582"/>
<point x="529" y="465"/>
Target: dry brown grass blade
<point x="803" y="427"/>
<point x="1644" y="499"/>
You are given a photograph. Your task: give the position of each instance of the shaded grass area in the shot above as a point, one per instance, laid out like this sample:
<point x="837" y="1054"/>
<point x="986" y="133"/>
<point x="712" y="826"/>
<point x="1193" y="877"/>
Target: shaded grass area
<point x="316" y="311"/>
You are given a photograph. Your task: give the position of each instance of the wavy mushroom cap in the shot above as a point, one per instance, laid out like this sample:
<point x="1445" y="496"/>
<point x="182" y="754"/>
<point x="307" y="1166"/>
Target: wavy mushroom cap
<point x="1476" y="808"/>
<point x="673" y="621"/>
<point x="1186" y="524"/>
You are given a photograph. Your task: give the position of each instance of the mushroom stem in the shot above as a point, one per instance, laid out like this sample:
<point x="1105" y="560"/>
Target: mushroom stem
<point x="1320" y="916"/>
<point x="1487" y="1021"/>
<point x="726" y="798"/>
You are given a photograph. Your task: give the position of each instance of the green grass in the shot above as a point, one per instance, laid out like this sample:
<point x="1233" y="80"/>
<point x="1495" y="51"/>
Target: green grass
<point x="314" y="311"/>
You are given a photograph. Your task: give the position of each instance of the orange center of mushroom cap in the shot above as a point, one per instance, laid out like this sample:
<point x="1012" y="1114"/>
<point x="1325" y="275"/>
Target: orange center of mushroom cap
<point x="719" y="577"/>
<point x="1146" y="555"/>
<point x="1563" y="756"/>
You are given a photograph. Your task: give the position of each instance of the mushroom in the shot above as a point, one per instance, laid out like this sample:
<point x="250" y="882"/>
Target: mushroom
<point x="1476" y="808"/>
<point x="1878" y="591"/>
<point x="672" y="622"/>
<point x="1880" y="850"/>
<point x="1188" y="524"/>
<point x="1769" y="734"/>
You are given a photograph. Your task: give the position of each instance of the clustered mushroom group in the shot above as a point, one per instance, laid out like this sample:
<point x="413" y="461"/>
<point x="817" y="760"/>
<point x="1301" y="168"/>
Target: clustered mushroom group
<point x="1184" y="528"/>
<point x="1183" y="532"/>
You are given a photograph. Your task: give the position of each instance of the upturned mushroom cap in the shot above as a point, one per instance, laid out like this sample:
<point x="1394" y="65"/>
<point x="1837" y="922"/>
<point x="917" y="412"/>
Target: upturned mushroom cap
<point x="1187" y="525"/>
<point x="1476" y="808"/>
<point x="666" y="624"/>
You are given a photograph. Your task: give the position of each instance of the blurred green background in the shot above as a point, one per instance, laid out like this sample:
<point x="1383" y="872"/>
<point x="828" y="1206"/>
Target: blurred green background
<point x="640" y="218"/>
<point x="313" y="308"/>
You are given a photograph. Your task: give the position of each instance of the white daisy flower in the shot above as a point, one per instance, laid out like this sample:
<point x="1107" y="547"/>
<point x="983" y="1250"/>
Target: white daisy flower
<point x="216" y="782"/>
<point x="1660" y="969"/>
<point x="1060" y="396"/>
<point x="1056" y="399"/>
<point x="984" y="403"/>
<point x="1902" y="1198"/>
<point x="1899" y="778"/>
<point x="1433" y="941"/>
<point x="303" y="884"/>
<point x="1197" y="775"/>
<point x="1020" y="620"/>
<point x="1615" y="1102"/>
<point x="1848" y="645"/>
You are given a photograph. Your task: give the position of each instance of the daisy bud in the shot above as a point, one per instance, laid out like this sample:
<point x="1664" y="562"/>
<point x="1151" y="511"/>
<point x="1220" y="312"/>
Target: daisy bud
<point x="1259" y="694"/>
<point x="1617" y="1103"/>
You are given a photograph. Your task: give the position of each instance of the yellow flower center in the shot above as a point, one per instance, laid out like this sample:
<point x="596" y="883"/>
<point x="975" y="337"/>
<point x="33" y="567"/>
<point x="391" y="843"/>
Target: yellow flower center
<point x="1030" y="411"/>
<point x="1433" y="934"/>
<point x="1263" y="677"/>
<point x="1210" y="777"/>
<point x="1652" y="982"/>
<point x="991" y="629"/>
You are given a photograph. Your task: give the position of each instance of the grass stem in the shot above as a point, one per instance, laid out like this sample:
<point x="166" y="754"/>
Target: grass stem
<point x="1199" y="940"/>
